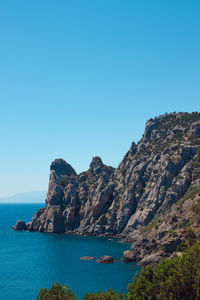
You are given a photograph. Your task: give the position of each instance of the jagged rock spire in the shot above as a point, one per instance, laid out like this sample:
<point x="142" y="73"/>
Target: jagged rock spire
<point x="61" y="167"/>
<point x="96" y="165"/>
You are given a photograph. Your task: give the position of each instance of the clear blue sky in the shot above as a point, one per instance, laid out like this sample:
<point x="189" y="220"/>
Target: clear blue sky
<point x="80" y="78"/>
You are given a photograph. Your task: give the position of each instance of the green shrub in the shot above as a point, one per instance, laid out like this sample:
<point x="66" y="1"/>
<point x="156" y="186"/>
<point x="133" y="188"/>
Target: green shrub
<point x="196" y="164"/>
<point x="56" y="292"/>
<point x="190" y="194"/>
<point x="182" y="224"/>
<point x="173" y="279"/>
<point x="190" y="235"/>
<point x="173" y="219"/>
<point x="156" y="226"/>
<point x="109" y="295"/>
<point x="196" y="207"/>
<point x="181" y="247"/>
<point x="174" y="234"/>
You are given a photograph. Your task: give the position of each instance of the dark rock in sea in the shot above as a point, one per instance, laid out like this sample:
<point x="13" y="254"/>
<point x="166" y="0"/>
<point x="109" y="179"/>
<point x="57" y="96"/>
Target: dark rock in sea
<point x="105" y="259"/>
<point x="20" y="225"/>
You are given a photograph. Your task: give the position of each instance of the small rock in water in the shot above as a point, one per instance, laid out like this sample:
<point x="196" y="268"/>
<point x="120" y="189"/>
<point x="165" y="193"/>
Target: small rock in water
<point x="87" y="258"/>
<point x="105" y="259"/>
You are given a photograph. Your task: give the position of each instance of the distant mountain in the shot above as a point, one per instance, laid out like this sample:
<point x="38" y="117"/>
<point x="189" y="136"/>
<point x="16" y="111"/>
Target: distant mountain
<point x="28" y="197"/>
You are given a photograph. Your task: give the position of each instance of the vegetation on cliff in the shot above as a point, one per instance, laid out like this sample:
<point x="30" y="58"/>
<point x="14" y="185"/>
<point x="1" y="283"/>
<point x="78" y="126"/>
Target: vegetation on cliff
<point x="59" y="292"/>
<point x="175" y="278"/>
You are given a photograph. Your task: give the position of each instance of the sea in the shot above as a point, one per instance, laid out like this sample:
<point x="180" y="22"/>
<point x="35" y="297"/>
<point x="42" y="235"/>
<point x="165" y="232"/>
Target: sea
<point x="33" y="260"/>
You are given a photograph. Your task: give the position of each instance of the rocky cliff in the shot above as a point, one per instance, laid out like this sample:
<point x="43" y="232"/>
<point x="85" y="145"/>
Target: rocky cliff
<point x="152" y="177"/>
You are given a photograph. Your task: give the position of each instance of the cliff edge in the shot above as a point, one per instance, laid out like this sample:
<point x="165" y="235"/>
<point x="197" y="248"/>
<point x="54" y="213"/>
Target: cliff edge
<point x="152" y="177"/>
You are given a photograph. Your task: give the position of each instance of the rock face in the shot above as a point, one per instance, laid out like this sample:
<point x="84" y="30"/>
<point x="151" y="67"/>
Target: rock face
<point x="103" y="201"/>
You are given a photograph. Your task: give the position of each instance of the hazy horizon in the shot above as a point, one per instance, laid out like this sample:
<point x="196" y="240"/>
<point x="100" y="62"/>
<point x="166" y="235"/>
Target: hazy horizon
<point x="24" y="197"/>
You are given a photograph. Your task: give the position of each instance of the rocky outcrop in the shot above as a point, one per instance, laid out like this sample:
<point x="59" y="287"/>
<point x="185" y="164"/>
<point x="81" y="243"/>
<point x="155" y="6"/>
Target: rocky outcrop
<point x="20" y="225"/>
<point x="153" y="176"/>
<point x="129" y="256"/>
<point x="150" y="260"/>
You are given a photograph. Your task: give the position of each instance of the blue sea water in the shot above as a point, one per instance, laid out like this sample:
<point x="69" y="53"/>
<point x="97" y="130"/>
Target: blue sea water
<point x="31" y="260"/>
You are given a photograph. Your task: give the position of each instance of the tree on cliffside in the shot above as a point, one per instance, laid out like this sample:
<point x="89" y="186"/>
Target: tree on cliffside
<point x="56" y="292"/>
<point x="173" y="279"/>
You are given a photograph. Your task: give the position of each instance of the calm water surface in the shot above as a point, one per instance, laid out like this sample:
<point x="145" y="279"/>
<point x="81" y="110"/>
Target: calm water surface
<point x="31" y="260"/>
